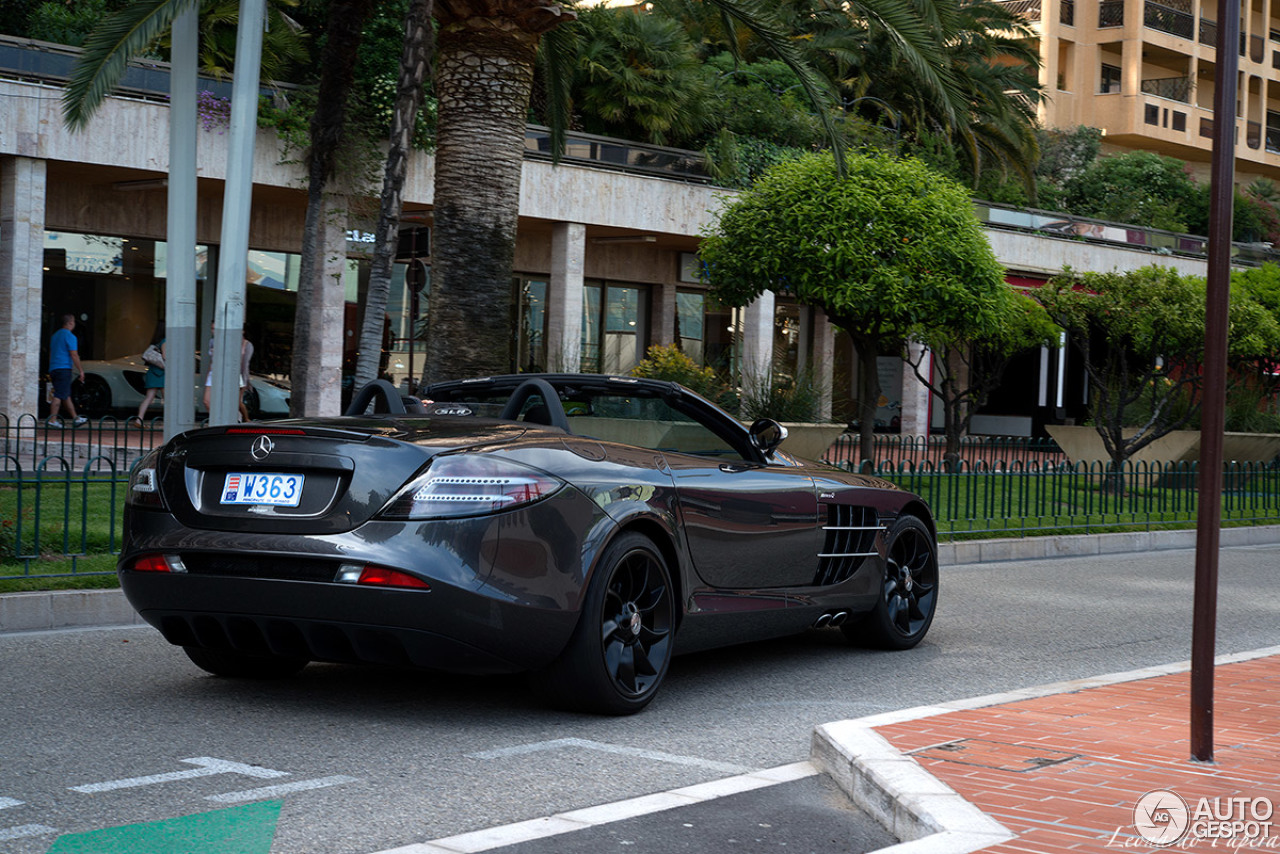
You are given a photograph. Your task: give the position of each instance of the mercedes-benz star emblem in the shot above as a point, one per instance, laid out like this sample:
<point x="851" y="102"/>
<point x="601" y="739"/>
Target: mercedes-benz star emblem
<point x="261" y="447"/>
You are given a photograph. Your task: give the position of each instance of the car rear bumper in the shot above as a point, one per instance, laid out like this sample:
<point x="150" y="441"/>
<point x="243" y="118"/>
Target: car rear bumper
<point x="444" y="628"/>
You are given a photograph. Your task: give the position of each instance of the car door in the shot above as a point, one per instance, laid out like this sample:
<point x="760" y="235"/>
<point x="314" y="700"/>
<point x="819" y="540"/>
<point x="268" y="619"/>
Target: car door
<point x="748" y="524"/>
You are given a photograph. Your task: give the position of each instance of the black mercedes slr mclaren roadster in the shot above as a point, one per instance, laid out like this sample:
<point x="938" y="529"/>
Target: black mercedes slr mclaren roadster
<point x="578" y="527"/>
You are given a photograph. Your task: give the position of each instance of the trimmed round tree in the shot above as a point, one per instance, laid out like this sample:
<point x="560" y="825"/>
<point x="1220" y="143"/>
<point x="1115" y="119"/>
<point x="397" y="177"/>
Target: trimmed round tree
<point x="888" y="247"/>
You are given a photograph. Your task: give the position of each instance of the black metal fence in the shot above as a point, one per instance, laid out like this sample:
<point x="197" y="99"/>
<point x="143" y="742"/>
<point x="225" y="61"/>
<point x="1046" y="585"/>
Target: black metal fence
<point x="62" y="494"/>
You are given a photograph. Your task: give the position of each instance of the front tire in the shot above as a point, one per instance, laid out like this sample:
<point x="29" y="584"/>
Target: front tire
<point x="239" y="665"/>
<point x="908" y="590"/>
<point x="621" y="648"/>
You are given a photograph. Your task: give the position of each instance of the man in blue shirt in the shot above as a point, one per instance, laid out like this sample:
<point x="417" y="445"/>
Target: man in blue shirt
<point x="64" y="363"/>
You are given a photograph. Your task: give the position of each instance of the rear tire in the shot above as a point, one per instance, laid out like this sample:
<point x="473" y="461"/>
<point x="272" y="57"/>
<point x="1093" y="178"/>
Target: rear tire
<point x="241" y="666"/>
<point x="92" y="398"/>
<point x="908" y="594"/>
<point x="620" y="650"/>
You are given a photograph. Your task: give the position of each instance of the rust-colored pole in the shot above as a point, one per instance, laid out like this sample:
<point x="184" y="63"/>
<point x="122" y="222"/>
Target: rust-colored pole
<point x="1212" y="421"/>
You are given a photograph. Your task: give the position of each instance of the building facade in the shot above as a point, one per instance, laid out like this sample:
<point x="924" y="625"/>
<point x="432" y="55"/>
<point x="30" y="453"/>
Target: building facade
<point x="605" y="264"/>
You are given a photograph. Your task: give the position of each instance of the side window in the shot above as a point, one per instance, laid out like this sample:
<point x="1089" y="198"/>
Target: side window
<point x="647" y="422"/>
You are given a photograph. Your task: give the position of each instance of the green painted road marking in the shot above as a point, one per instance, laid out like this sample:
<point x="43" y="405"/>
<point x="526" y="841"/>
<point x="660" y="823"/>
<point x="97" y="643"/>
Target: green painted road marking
<point x="237" y="830"/>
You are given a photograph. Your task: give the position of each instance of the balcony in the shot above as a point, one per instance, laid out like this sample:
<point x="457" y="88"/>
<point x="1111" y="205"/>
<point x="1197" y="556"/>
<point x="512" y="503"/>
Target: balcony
<point x="1169" y="17"/>
<point x="1208" y="32"/>
<point x="1111" y="13"/>
<point x="1173" y="88"/>
<point x="1028" y="10"/>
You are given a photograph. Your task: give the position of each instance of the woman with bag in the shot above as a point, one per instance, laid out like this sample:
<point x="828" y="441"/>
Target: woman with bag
<point x="153" y="381"/>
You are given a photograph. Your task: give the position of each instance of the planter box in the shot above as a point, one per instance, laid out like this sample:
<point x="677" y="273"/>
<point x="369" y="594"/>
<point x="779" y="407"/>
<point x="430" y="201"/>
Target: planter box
<point x="1083" y="444"/>
<point x="810" y="440"/>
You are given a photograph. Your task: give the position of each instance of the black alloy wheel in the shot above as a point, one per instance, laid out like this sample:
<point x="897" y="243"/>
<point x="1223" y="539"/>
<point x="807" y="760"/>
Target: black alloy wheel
<point x="92" y="398"/>
<point x="242" y="665"/>
<point x="621" y="649"/>
<point x="908" y="591"/>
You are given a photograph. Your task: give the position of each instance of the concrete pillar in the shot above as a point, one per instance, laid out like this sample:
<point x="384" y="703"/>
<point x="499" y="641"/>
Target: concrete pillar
<point x="323" y="395"/>
<point x="824" y="361"/>
<point x="564" y="320"/>
<point x="756" y="364"/>
<point x="662" y="330"/>
<point x="915" y="394"/>
<point x="22" y="204"/>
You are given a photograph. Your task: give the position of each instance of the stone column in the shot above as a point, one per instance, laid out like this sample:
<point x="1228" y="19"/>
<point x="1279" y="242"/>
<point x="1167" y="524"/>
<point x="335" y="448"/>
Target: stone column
<point x="322" y="394"/>
<point x="564" y="318"/>
<point x="331" y="319"/>
<point x="756" y="363"/>
<point x="22" y="205"/>
<point x="662" y="329"/>
<point x="915" y="394"/>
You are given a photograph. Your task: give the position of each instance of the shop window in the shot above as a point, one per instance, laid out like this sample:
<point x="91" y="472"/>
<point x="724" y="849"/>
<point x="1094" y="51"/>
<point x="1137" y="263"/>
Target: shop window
<point x="1110" y="79"/>
<point x="614" y="327"/>
<point x="529" y="325"/>
<point x="691" y="323"/>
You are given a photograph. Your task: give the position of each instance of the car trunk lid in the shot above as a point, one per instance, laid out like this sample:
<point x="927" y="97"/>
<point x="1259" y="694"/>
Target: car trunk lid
<point x="307" y="477"/>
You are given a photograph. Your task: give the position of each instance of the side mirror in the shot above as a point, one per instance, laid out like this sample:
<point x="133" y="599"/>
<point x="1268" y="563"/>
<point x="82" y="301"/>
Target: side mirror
<point x="766" y="435"/>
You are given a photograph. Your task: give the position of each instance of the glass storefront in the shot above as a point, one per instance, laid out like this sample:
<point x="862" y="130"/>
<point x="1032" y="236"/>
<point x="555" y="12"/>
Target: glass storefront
<point x="614" y="327"/>
<point x="529" y="325"/>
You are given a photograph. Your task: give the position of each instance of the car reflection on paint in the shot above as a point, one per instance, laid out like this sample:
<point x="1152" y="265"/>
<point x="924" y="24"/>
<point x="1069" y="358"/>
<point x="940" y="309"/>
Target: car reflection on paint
<point x="581" y="528"/>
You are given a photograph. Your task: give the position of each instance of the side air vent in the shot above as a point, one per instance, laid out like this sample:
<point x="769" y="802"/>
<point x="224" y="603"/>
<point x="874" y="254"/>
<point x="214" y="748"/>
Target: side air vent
<point x="851" y="539"/>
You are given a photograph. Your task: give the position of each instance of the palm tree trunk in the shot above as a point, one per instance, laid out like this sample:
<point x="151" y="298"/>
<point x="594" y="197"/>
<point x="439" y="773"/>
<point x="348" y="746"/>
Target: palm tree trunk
<point x="414" y="65"/>
<point x="484" y="76"/>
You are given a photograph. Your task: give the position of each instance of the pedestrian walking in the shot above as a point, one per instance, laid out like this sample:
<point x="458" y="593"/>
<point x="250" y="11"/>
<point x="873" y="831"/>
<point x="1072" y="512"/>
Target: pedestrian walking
<point x="153" y="380"/>
<point x="64" y="364"/>
<point x="246" y="353"/>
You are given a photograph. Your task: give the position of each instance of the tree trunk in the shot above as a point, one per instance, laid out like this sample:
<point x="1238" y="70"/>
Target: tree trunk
<point x="345" y="25"/>
<point x="868" y="399"/>
<point x="484" y="77"/>
<point x="414" y="65"/>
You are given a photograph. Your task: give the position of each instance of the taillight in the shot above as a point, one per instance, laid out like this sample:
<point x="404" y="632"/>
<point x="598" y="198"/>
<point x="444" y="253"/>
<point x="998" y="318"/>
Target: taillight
<point x="144" y="483"/>
<point x="378" y="576"/>
<point x="470" y="485"/>
<point x="158" y="563"/>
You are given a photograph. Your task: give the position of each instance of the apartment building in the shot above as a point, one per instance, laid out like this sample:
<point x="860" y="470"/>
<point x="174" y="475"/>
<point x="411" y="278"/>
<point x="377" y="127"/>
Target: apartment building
<point x="1145" y="72"/>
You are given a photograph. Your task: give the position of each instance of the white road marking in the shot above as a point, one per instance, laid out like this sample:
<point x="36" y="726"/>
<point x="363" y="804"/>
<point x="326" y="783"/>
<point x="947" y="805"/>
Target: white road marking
<point x="281" y="789"/>
<point x="568" y="822"/>
<point x="656" y="756"/>
<point x="207" y="768"/>
<point x="24" y="830"/>
<point x="9" y="802"/>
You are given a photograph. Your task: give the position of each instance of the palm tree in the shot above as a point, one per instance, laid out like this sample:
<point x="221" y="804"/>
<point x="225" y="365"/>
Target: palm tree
<point x="144" y="25"/>
<point x="639" y="77"/>
<point x="415" y="63"/>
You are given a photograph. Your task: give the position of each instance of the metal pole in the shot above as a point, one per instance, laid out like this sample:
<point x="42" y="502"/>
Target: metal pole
<point x="228" y="320"/>
<point x="1212" y="422"/>
<point x="180" y="272"/>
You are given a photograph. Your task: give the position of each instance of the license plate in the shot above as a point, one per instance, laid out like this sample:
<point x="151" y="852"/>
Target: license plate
<point x="284" y="490"/>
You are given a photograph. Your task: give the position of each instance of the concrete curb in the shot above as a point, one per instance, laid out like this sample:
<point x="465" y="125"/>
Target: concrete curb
<point x="1084" y="545"/>
<point x="65" y="609"/>
<point x="926" y="814"/>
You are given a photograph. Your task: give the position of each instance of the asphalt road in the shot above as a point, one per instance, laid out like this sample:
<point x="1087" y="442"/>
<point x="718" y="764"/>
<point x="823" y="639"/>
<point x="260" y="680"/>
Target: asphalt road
<point x="100" y="728"/>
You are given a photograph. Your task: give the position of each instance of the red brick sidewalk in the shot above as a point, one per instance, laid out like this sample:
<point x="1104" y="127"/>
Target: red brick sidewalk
<point x="1064" y="772"/>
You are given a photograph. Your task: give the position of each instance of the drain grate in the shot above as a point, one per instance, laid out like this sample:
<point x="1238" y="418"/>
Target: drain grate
<point x="994" y="754"/>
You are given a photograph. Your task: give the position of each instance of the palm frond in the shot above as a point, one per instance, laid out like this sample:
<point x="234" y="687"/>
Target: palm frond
<point x="559" y="49"/>
<point x="759" y="18"/>
<point x="107" y="51"/>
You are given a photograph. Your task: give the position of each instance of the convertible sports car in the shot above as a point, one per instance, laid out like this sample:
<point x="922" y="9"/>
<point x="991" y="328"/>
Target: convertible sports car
<point x="580" y="527"/>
